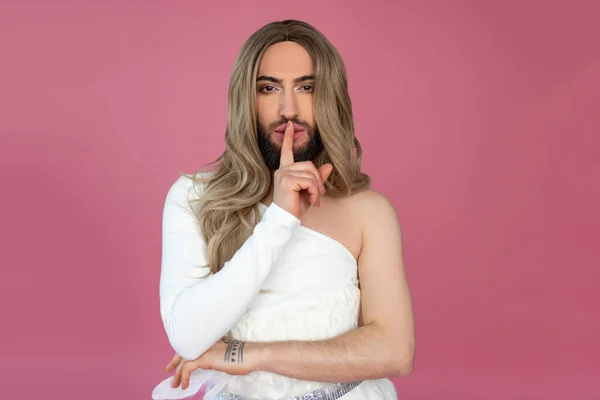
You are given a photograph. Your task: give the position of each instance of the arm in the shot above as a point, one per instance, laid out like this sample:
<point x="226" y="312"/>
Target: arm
<point x="196" y="310"/>
<point x="385" y="345"/>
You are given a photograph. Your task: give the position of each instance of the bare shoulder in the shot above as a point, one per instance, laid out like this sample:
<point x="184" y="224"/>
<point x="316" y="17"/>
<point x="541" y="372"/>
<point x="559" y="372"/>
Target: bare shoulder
<point x="376" y="215"/>
<point x="369" y="196"/>
<point x="381" y="239"/>
<point x="372" y="206"/>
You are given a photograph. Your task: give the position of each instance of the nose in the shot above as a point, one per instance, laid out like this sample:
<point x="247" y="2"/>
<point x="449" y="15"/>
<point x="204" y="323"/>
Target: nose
<point x="287" y="106"/>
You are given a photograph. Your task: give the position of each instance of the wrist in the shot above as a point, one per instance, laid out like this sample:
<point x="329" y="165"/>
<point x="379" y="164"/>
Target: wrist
<point x="257" y="355"/>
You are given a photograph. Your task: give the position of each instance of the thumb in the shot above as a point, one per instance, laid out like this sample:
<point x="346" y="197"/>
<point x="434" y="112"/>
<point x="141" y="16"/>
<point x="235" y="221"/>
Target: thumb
<point x="325" y="170"/>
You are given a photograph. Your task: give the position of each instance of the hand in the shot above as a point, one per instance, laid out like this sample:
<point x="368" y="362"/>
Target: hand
<point x="226" y="355"/>
<point x="297" y="185"/>
<point x="176" y="362"/>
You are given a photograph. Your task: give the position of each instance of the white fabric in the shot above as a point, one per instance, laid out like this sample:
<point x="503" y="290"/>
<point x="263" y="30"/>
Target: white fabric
<point x="310" y="292"/>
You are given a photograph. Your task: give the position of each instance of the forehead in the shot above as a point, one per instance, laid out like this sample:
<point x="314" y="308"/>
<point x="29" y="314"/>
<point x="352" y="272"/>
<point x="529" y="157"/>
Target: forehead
<point x="286" y="60"/>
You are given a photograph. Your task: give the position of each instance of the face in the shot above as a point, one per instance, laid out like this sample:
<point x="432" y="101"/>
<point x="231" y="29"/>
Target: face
<point x="285" y="88"/>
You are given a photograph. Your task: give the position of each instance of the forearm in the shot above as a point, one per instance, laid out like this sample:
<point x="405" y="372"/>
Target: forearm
<point x="364" y="353"/>
<point x="197" y="311"/>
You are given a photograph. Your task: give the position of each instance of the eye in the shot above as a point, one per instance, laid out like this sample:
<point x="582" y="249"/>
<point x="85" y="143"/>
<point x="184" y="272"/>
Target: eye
<point x="266" y="89"/>
<point x="307" y="88"/>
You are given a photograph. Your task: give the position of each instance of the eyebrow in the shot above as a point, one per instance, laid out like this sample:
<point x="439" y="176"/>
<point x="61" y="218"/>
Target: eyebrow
<point x="267" y="78"/>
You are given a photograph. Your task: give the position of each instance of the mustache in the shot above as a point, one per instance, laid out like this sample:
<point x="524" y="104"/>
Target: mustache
<point x="284" y="121"/>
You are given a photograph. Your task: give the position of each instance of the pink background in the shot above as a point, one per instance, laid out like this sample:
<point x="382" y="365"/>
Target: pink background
<point x="479" y="119"/>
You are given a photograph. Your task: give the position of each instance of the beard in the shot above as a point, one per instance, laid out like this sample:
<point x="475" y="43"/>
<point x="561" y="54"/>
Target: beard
<point x="271" y="152"/>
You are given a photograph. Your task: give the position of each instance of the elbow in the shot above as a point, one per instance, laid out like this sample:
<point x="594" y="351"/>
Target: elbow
<point x="404" y="368"/>
<point x="183" y="346"/>
<point x="182" y="341"/>
<point x="404" y="361"/>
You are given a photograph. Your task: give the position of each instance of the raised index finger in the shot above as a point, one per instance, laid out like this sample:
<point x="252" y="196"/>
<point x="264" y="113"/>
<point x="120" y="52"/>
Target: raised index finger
<point x="287" y="148"/>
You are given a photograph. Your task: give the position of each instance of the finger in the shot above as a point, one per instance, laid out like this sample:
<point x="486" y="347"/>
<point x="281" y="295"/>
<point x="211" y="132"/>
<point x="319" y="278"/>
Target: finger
<point x="297" y="184"/>
<point x="287" y="148"/>
<point x="299" y="174"/>
<point x="188" y="368"/>
<point x="173" y="363"/>
<point x="177" y="377"/>
<point x="185" y="380"/>
<point x="324" y="172"/>
<point x="313" y="176"/>
<point x="308" y="175"/>
<point x="309" y="166"/>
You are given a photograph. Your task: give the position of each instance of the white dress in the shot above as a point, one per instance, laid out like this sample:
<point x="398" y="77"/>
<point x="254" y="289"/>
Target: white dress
<point x="287" y="282"/>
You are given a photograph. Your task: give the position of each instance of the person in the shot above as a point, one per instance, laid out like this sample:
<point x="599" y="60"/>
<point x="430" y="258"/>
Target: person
<point x="282" y="271"/>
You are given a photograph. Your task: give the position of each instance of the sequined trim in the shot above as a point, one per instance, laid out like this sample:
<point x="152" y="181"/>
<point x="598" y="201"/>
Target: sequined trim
<point x="329" y="392"/>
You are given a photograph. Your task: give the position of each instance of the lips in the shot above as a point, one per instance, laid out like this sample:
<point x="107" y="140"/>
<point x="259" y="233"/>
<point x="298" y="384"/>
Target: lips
<point x="297" y="134"/>
<point x="297" y="128"/>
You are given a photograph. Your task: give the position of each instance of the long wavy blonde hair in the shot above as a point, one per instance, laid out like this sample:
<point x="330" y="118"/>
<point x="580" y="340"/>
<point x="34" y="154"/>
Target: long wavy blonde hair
<point x="239" y="179"/>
